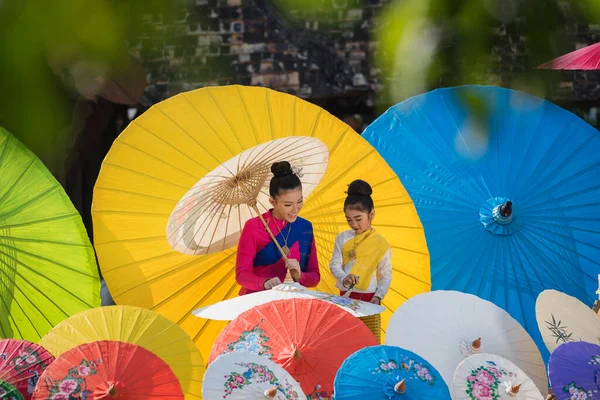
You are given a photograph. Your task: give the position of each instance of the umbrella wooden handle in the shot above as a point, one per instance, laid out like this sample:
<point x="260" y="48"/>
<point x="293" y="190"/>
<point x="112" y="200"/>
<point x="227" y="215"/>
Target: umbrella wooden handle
<point x="290" y="276"/>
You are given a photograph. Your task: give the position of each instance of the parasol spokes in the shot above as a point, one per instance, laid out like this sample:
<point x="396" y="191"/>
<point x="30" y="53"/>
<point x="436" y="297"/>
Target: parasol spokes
<point x="271" y="393"/>
<point x="400" y="387"/>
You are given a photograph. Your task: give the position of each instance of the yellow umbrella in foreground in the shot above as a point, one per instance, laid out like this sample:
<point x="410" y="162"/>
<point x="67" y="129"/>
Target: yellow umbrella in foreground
<point x="172" y="146"/>
<point x="137" y="326"/>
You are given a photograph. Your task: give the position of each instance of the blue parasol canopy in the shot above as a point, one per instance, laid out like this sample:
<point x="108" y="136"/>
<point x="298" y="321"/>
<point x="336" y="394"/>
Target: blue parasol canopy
<point x="507" y="186"/>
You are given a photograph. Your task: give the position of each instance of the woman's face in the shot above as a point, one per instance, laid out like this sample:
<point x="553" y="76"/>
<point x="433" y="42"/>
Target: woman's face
<point x="359" y="221"/>
<point x="287" y="204"/>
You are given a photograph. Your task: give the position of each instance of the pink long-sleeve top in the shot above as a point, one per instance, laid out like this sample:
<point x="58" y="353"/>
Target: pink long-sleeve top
<point x="259" y="260"/>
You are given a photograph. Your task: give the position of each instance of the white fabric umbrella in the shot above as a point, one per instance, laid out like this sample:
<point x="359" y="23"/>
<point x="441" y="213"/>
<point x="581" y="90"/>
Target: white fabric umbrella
<point x="247" y="376"/>
<point x="210" y="216"/>
<point x="445" y="327"/>
<point x="488" y="376"/>
<point x="230" y="309"/>
<point x="562" y="318"/>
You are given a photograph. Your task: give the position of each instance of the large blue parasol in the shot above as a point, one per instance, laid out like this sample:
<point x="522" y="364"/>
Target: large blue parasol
<point x="507" y="187"/>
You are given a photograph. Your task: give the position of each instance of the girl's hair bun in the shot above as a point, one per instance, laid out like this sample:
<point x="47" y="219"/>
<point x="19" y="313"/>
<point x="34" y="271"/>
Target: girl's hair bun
<point x="281" y="168"/>
<point x="359" y="188"/>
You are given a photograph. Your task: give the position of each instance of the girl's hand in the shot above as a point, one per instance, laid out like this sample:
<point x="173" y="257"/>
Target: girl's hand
<point x="376" y="300"/>
<point x="294" y="267"/>
<point x="271" y="283"/>
<point x="350" y="280"/>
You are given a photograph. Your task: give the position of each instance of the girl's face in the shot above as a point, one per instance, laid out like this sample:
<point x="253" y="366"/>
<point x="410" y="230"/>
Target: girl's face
<point x="287" y="204"/>
<point x="359" y="221"/>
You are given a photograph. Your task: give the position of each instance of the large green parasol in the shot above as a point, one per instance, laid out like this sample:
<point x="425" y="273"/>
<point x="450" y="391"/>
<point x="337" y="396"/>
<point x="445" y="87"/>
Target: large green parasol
<point x="47" y="266"/>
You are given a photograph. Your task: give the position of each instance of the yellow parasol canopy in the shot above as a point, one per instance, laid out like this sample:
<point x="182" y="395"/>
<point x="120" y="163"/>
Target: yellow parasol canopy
<point x="171" y="147"/>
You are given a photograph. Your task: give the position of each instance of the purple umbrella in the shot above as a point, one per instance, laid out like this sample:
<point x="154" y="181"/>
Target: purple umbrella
<point x="574" y="371"/>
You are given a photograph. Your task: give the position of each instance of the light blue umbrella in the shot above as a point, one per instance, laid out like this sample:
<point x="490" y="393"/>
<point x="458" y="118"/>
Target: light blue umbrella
<point x="388" y="372"/>
<point x="507" y="187"/>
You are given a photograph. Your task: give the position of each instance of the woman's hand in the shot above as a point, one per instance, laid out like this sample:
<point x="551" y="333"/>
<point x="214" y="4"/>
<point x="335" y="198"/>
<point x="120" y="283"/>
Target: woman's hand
<point x="376" y="300"/>
<point x="271" y="283"/>
<point x="350" y="280"/>
<point x="294" y="267"/>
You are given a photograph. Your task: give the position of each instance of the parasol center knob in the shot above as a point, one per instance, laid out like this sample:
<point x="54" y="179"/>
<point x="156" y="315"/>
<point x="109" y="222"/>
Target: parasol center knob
<point x="271" y="392"/>
<point x="506" y="209"/>
<point x="400" y="387"/>
<point x="514" y="390"/>
<point x="296" y="354"/>
<point x="251" y="202"/>
<point x="112" y="391"/>
<point x="476" y="345"/>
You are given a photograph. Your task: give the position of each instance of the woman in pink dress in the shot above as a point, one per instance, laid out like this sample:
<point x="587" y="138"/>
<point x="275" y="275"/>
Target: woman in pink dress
<point x="259" y="264"/>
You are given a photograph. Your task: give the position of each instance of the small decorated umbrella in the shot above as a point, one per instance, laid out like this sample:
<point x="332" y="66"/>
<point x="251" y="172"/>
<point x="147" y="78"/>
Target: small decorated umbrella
<point x="574" y="371"/>
<point x="243" y="376"/>
<point x="516" y="176"/>
<point x="174" y="148"/>
<point x="309" y="338"/>
<point x="108" y="369"/>
<point x="232" y="308"/>
<point x="21" y="365"/>
<point x="137" y="326"/>
<point x="562" y="318"/>
<point x="586" y="58"/>
<point x="388" y="372"/>
<point x="458" y="325"/>
<point x="487" y="376"/>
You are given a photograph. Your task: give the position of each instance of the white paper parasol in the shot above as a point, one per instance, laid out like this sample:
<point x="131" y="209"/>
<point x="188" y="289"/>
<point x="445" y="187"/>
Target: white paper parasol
<point x="230" y="309"/>
<point x="445" y="327"/>
<point x="247" y="376"/>
<point x="211" y="215"/>
<point x="562" y="318"/>
<point x="488" y="376"/>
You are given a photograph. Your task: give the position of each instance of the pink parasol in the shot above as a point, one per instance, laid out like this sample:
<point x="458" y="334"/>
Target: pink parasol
<point x="586" y="58"/>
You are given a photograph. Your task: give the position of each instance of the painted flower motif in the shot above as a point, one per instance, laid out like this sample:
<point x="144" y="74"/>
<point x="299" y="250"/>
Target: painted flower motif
<point x="60" y="396"/>
<point x="68" y="386"/>
<point x="595" y="360"/>
<point x="19" y="362"/>
<point x="84" y="371"/>
<point x="252" y="341"/>
<point x="317" y="394"/>
<point x="481" y="391"/>
<point x="255" y="373"/>
<point x="484" y="377"/>
<point x="2" y="392"/>
<point x="31" y="359"/>
<point x="578" y="393"/>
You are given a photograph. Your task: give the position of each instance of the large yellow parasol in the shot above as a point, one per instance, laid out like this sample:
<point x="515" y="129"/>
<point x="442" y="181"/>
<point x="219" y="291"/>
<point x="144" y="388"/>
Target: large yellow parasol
<point x="166" y="151"/>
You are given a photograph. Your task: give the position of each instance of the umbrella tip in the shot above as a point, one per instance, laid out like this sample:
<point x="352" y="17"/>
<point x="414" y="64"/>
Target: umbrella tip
<point x="514" y="389"/>
<point x="506" y="209"/>
<point x="112" y="391"/>
<point x="476" y="345"/>
<point x="271" y="393"/>
<point x="400" y="387"/>
<point x="296" y="354"/>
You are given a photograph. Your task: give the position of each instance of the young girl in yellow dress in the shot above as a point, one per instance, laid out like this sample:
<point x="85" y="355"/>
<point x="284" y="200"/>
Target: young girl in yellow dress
<point x="361" y="258"/>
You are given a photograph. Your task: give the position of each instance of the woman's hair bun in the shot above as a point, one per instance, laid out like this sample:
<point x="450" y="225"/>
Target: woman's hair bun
<point x="359" y="188"/>
<point x="281" y="168"/>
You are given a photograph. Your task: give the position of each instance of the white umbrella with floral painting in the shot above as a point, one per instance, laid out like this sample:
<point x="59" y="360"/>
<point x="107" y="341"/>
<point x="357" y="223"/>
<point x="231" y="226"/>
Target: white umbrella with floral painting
<point x="488" y="376"/>
<point x="445" y="327"/>
<point x="247" y="376"/>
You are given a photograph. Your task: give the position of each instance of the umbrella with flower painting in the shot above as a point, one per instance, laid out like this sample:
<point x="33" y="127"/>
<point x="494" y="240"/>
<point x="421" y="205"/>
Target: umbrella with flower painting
<point x="447" y="327"/>
<point x="243" y="376"/>
<point x="487" y="376"/>
<point x="574" y="371"/>
<point x="309" y="338"/>
<point x="21" y="364"/>
<point x="108" y="369"/>
<point x="388" y="372"/>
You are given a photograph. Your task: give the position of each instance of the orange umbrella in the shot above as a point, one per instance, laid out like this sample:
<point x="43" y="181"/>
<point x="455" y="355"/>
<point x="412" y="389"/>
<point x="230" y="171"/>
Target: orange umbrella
<point x="309" y="338"/>
<point x="108" y="370"/>
<point x="21" y="364"/>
